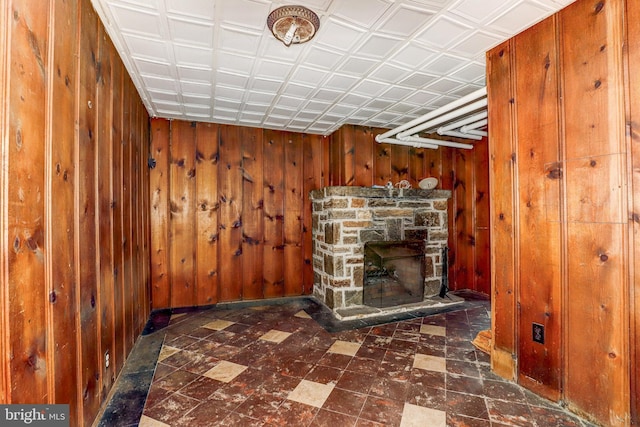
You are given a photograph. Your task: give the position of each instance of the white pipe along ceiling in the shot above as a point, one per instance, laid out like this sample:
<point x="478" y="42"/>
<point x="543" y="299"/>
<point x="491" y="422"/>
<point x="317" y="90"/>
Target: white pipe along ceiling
<point x="464" y="118"/>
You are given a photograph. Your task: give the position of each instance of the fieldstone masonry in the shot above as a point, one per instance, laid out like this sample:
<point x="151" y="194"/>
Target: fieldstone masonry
<point x="345" y="218"/>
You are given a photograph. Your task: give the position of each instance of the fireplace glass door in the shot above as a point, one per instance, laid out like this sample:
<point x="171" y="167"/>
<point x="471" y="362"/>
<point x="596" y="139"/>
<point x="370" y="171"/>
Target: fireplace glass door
<point x="394" y="273"/>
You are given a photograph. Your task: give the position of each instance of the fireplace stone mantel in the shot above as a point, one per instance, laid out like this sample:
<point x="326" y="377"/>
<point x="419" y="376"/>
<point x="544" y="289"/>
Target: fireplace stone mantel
<point x="347" y="217"/>
<point x="379" y="193"/>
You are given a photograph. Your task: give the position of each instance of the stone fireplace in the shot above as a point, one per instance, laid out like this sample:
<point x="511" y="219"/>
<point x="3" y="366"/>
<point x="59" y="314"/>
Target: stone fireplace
<point x="345" y="219"/>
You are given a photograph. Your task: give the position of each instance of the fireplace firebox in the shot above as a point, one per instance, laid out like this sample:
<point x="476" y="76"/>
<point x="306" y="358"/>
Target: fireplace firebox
<point x="394" y="273"/>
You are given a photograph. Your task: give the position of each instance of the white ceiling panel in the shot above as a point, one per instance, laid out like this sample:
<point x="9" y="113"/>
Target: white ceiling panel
<point x="361" y="12"/>
<point x="190" y="32"/>
<point x="372" y="62"/>
<point x="404" y="21"/>
<point x="520" y="16"/>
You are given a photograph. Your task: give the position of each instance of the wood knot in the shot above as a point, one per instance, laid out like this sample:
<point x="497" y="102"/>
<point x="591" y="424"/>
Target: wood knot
<point x="93" y="301"/>
<point x="604" y="257"/>
<point x="599" y="7"/>
<point x="593" y="163"/>
<point x="53" y="297"/>
<point x="597" y="84"/>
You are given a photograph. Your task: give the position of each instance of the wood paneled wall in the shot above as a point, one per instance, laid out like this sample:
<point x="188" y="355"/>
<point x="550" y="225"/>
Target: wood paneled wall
<point x="230" y="211"/>
<point x="563" y="110"/>
<point x="357" y="159"/>
<point x="74" y="223"/>
<point x="231" y="214"/>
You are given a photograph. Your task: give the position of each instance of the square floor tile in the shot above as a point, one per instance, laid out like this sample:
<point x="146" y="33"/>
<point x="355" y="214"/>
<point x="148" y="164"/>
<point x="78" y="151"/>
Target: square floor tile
<point x="311" y="393"/>
<point x="218" y="324"/>
<point x="225" y="371"/>
<point x="275" y="336"/>
<point x="302" y="314"/>
<point x="344" y="347"/>
<point x="430" y="363"/>
<point x="150" y="422"/>
<point x="440" y="331"/>
<point x="417" y="416"/>
<point x="167" y="351"/>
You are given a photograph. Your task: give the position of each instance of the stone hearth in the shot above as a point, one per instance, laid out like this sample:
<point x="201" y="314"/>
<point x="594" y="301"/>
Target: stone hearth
<point x="345" y="218"/>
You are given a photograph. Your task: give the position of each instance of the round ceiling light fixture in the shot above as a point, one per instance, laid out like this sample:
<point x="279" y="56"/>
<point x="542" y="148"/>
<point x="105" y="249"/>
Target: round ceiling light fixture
<point x="293" y="24"/>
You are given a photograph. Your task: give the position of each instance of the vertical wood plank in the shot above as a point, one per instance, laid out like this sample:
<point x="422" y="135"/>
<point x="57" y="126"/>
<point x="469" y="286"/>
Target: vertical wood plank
<point x="313" y="167"/>
<point x="348" y="141"/>
<point x="104" y="202"/>
<point x="363" y="157"/>
<point x="86" y="207"/>
<point x="633" y="85"/>
<point x="127" y="223"/>
<point x="231" y="203"/>
<point x="463" y="252"/>
<point x="252" y="221"/>
<point x="207" y="268"/>
<point x="138" y="284"/>
<point x="160" y="187"/>
<point x="399" y="163"/>
<point x="117" y="214"/>
<point x="597" y="379"/>
<point x="182" y="203"/>
<point x="597" y="270"/>
<point x="482" y="259"/>
<point x="293" y="210"/>
<point x="5" y="27"/>
<point x="382" y="166"/>
<point x="417" y="166"/>
<point x="273" y="214"/>
<point x="503" y="228"/>
<point x="62" y="289"/>
<point x="26" y="285"/>
<point x="539" y="174"/>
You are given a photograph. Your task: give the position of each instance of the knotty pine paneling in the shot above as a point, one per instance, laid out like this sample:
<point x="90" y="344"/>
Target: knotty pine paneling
<point x="313" y="149"/>
<point x="596" y="197"/>
<point x="503" y="208"/>
<point x="539" y="296"/>
<point x="4" y="335"/>
<point x="572" y="238"/>
<point x="207" y="205"/>
<point x="249" y="235"/>
<point x="293" y="215"/>
<point x="25" y="207"/>
<point x="61" y="170"/>
<point x="65" y="177"/>
<point x="633" y="140"/>
<point x="273" y="206"/>
<point x="252" y="171"/>
<point x="182" y="202"/>
<point x="161" y="281"/>
<point x="230" y="185"/>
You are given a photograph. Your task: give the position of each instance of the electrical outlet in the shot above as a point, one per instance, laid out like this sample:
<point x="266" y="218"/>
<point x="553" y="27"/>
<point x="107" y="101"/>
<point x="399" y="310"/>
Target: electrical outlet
<point x="538" y="333"/>
<point x="106" y="359"/>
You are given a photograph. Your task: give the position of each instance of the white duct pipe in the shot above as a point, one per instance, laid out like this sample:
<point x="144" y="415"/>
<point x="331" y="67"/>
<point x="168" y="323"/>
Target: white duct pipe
<point x="438" y="142"/>
<point x="461" y="123"/>
<point x="407" y="143"/>
<point x="461" y="135"/>
<point x="477" y="132"/>
<point x="444" y="118"/>
<point x="480" y="93"/>
<point x="473" y="126"/>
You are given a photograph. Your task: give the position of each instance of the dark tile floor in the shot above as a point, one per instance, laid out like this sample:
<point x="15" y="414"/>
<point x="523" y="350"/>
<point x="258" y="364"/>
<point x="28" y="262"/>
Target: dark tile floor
<point x="289" y="363"/>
